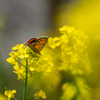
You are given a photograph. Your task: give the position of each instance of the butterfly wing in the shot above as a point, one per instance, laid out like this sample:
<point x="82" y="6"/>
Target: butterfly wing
<point x="43" y="40"/>
<point x="32" y="40"/>
<point x="37" y="47"/>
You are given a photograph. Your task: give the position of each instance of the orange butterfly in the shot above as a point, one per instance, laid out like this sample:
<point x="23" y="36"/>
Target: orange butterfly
<point x="37" y="44"/>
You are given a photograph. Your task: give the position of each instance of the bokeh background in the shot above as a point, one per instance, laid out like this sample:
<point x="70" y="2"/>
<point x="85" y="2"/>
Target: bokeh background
<point x="22" y="19"/>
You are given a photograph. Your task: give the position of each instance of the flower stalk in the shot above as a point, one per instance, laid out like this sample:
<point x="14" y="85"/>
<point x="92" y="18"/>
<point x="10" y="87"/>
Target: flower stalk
<point x="25" y="86"/>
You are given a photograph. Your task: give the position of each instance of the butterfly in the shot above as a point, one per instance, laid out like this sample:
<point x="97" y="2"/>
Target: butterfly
<point x="37" y="44"/>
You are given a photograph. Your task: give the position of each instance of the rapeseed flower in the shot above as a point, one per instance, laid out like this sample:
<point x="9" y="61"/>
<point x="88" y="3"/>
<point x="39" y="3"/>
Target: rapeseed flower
<point x="39" y="94"/>
<point x="9" y="93"/>
<point x="36" y="62"/>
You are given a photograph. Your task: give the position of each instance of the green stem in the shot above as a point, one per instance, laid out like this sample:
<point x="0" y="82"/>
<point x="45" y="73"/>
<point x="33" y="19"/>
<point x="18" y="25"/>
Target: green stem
<point x="25" y="86"/>
<point x="20" y="63"/>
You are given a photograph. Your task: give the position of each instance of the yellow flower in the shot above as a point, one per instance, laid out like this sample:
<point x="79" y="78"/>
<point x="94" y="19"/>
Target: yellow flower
<point x="67" y="29"/>
<point x="39" y="94"/>
<point x="21" y="53"/>
<point x="18" y="58"/>
<point x="69" y="90"/>
<point x="54" y="42"/>
<point x="73" y="54"/>
<point x="9" y="93"/>
<point x="20" y="71"/>
<point x="11" y="59"/>
<point x="17" y="47"/>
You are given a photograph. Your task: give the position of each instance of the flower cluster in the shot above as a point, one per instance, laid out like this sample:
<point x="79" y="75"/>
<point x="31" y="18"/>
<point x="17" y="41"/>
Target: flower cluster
<point x="69" y="51"/>
<point x="80" y="89"/>
<point x="35" y="62"/>
<point x="64" y="53"/>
